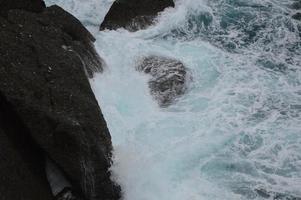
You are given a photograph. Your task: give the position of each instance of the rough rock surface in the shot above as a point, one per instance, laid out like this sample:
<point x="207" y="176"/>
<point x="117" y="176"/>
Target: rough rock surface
<point x="22" y="164"/>
<point x="296" y="4"/>
<point x="29" y="5"/>
<point x="297" y="16"/>
<point x="168" y="78"/>
<point x="134" y="14"/>
<point x="264" y="194"/>
<point x="48" y="107"/>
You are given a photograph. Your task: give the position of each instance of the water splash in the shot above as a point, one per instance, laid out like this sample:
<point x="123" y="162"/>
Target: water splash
<point x="236" y="132"/>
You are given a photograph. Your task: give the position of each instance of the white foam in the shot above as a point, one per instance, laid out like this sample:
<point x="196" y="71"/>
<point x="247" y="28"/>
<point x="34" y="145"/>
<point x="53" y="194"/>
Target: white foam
<point x="234" y="131"/>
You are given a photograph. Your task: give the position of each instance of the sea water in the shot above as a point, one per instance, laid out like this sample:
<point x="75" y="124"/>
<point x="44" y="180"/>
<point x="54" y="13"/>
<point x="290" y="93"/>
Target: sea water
<point x="236" y="132"/>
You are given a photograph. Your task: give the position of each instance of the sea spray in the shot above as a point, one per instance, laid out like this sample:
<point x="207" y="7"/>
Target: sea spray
<point x="235" y="134"/>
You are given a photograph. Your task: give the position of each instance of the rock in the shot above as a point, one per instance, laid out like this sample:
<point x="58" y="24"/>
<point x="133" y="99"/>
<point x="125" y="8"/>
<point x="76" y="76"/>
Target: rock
<point x="168" y="78"/>
<point x="67" y="194"/>
<point x="297" y="16"/>
<point x="79" y="34"/>
<point x="22" y="163"/>
<point x="134" y="14"/>
<point x="44" y="86"/>
<point x="56" y="178"/>
<point x="264" y="194"/>
<point x="29" y="5"/>
<point x="296" y="5"/>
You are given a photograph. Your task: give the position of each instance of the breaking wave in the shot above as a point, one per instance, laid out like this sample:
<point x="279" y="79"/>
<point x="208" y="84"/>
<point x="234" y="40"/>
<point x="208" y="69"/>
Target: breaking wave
<point x="235" y="134"/>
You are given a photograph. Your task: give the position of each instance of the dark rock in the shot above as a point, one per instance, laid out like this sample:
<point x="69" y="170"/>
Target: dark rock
<point x="297" y="16"/>
<point x="79" y="34"/>
<point x="296" y="5"/>
<point x="169" y="78"/>
<point x="29" y="5"/>
<point x="275" y="195"/>
<point x="66" y="194"/>
<point x="56" y="178"/>
<point x="134" y="14"/>
<point x="43" y="64"/>
<point x="68" y="23"/>
<point x="22" y="163"/>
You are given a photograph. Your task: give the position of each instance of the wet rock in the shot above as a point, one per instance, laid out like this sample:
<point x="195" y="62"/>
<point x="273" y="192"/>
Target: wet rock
<point x="44" y="62"/>
<point x="296" y="5"/>
<point x="80" y="36"/>
<point x="56" y="177"/>
<point x="29" y="5"/>
<point x="275" y="195"/>
<point x="134" y="14"/>
<point x="168" y="78"/>
<point x="66" y="194"/>
<point x="22" y="163"/>
<point x="297" y="16"/>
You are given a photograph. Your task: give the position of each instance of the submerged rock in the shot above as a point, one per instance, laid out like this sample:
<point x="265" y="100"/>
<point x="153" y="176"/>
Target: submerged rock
<point x="275" y="195"/>
<point x="134" y="14"/>
<point x="297" y="16"/>
<point x="48" y="109"/>
<point x="296" y="5"/>
<point x="169" y="78"/>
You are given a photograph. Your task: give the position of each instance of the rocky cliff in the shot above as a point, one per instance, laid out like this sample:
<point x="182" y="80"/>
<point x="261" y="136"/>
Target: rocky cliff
<point x="47" y="108"/>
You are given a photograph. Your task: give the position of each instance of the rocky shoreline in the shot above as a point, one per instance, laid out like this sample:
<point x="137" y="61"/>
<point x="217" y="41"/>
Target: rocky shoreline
<point x="48" y="110"/>
<point x="54" y="140"/>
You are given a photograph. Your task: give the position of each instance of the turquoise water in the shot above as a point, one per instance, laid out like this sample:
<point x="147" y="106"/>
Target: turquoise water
<point x="236" y="131"/>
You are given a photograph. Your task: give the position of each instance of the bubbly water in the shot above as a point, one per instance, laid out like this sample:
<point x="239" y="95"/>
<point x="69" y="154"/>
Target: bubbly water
<point x="236" y="133"/>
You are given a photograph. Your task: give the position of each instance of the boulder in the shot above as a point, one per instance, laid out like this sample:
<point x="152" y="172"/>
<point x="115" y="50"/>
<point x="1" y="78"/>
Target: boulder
<point x="297" y="16"/>
<point x="169" y="78"/>
<point x="29" y="5"/>
<point x="22" y="163"/>
<point x="134" y="14"/>
<point x="296" y="5"/>
<point x="45" y="59"/>
<point x="81" y="37"/>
